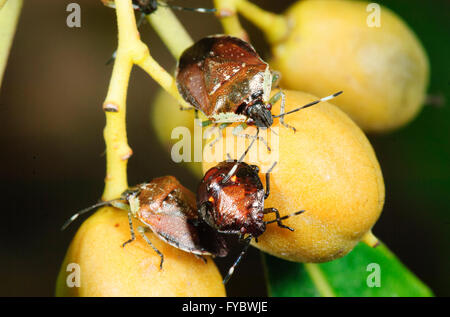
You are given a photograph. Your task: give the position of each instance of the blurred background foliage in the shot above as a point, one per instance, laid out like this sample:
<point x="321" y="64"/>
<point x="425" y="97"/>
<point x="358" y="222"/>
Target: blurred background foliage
<point x="52" y="141"/>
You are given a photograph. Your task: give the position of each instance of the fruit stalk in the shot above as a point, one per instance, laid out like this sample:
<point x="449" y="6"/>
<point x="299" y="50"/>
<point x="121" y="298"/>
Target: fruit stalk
<point x="319" y="280"/>
<point x="9" y="15"/>
<point x="226" y="12"/>
<point x="2" y="3"/>
<point x="131" y="50"/>
<point x="274" y="26"/>
<point x="170" y="30"/>
<point x="370" y="239"/>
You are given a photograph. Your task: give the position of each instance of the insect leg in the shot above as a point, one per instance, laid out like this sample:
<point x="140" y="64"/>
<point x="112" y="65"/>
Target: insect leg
<point x="237" y="132"/>
<point x="239" y="128"/>
<point x="120" y="205"/>
<point x="276" y="77"/>
<point x="190" y="108"/>
<point x="201" y="258"/>
<point x="142" y="230"/>
<point x="266" y="194"/>
<point x="221" y="127"/>
<point x="283" y="104"/>
<point x="278" y="219"/>
<point x="232" y="268"/>
<point x="133" y="237"/>
<point x="275" y="98"/>
<point x="187" y="108"/>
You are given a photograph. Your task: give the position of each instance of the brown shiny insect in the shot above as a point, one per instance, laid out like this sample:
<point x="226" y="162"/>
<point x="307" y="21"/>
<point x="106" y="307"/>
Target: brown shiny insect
<point x="169" y="210"/>
<point x="225" y="78"/>
<point x="230" y="198"/>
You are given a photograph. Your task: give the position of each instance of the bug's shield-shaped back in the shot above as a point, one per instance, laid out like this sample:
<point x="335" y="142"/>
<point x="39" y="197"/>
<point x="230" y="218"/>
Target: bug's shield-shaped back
<point x="169" y="209"/>
<point x="219" y="73"/>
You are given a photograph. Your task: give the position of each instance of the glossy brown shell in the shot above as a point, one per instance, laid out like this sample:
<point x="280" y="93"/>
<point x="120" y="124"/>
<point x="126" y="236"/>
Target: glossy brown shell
<point x="169" y="210"/>
<point x="218" y="74"/>
<point x="237" y="205"/>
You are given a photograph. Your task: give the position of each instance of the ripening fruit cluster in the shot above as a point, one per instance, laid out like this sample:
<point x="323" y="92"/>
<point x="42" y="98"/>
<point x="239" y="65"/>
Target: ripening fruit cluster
<point x="375" y="59"/>
<point x="328" y="167"/>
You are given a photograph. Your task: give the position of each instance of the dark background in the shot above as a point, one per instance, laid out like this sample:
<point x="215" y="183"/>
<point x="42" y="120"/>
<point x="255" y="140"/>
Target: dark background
<point x="52" y="143"/>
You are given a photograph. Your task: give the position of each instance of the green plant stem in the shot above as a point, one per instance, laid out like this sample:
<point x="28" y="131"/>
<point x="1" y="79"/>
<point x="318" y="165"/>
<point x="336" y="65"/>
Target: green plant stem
<point x="2" y="3"/>
<point x="226" y="12"/>
<point x="9" y="16"/>
<point x="274" y="26"/>
<point x="170" y="30"/>
<point x="319" y="280"/>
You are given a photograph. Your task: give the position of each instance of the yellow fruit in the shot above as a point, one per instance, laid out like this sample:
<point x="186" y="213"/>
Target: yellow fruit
<point x="383" y="71"/>
<point x="108" y="269"/>
<point x="327" y="168"/>
<point x="165" y="116"/>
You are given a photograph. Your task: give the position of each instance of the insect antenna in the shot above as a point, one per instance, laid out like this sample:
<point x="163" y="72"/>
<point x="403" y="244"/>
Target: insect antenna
<point x="83" y="211"/>
<point x="201" y="10"/>
<point x="285" y="217"/>
<point x="233" y="169"/>
<point x="310" y="104"/>
<point x="232" y="268"/>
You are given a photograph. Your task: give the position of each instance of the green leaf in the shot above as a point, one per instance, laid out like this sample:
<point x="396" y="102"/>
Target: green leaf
<point x="364" y="272"/>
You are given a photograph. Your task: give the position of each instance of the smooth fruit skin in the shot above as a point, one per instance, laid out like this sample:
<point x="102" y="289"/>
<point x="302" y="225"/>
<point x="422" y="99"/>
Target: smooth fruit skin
<point x="108" y="269"/>
<point x="327" y="168"/>
<point x="166" y="116"/>
<point x="383" y="71"/>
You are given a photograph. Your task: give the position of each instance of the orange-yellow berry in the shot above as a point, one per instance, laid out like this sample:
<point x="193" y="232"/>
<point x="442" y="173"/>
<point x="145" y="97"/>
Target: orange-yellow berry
<point x="329" y="169"/>
<point x="108" y="269"/>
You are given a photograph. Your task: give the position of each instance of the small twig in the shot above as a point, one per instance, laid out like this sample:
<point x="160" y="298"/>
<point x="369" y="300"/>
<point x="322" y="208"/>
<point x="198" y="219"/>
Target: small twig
<point x="226" y="12"/>
<point x="9" y="15"/>
<point x="131" y="50"/>
<point x="275" y="26"/>
<point x="170" y="30"/>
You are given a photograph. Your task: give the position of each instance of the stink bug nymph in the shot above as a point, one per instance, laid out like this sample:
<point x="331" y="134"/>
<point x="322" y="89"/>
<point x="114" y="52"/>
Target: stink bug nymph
<point x="230" y="198"/>
<point x="169" y="210"/>
<point x="226" y="79"/>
